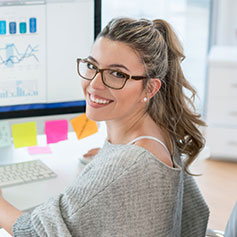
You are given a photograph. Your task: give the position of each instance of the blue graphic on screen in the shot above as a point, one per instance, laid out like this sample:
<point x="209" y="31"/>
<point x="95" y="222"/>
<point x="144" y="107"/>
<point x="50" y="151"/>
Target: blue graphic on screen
<point x="12" y="27"/>
<point x="19" y="91"/>
<point x="14" y="56"/>
<point x="3" y="27"/>
<point x="22" y="27"/>
<point x="33" y="25"/>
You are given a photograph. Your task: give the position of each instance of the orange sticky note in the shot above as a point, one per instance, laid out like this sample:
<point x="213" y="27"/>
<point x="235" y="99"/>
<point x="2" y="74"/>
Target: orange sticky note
<point x="24" y="134"/>
<point x="83" y="126"/>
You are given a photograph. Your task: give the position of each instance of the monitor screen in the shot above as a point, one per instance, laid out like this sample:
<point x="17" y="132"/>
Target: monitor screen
<point x="39" y="44"/>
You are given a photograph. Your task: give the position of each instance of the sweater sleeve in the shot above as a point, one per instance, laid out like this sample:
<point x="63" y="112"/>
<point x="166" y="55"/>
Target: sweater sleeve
<point x="45" y="220"/>
<point x="23" y="226"/>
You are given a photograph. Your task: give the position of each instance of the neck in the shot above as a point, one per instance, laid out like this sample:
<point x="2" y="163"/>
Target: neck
<point x="122" y="131"/>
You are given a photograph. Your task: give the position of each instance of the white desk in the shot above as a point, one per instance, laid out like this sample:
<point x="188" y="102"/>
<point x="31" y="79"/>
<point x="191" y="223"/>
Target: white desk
<point x="63" y="160"/>
<point x="4" y="233"/>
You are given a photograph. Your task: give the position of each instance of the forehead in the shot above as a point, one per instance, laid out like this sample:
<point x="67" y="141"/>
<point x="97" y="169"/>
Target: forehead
<point x="108" y="52"/>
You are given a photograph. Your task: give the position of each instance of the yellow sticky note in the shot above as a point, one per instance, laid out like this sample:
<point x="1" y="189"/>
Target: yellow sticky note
<point x="83" y="126"/>
<point x="24" y="134"/>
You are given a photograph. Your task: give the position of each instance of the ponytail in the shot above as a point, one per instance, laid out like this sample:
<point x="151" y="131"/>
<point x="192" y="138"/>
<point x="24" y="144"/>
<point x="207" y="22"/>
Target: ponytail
<point x="174" y="109"/>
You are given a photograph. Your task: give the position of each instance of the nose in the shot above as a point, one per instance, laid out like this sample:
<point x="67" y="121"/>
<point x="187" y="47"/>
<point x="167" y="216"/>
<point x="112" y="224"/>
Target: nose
<point x="97" y="82"/>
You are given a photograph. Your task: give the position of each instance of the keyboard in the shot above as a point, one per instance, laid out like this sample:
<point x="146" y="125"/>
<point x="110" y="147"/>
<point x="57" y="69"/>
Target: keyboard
<point x="24" y="172"/>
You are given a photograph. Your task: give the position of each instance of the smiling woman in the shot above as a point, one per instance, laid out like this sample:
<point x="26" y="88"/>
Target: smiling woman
<point x="119" y="60"/>
<point x="137" y="184"/>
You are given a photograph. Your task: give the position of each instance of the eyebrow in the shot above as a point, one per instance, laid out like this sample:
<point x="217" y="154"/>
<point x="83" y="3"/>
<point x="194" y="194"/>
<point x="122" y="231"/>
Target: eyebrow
<point x="111" y="65"/>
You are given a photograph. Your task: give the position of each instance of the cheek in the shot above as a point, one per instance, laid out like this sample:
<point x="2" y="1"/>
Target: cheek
<point x="130" y="98"/>
<point x="84" y="85"/>
<point x="135" y="91"/>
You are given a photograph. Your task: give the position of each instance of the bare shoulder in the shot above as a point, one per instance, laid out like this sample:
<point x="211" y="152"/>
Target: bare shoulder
<point x="157" y="150"/>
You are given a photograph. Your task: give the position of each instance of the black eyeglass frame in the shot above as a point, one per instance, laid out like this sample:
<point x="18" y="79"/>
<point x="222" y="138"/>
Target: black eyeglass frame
<point x="98" y="70"/>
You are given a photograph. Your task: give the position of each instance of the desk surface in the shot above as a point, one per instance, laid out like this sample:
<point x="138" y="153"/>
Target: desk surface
<point x="63" y="160"/>
<point x="4" y="233"/>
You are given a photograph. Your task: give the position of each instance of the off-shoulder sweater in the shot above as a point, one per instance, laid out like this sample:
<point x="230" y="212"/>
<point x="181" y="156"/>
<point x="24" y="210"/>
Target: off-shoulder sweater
<point x="125" y="191"/>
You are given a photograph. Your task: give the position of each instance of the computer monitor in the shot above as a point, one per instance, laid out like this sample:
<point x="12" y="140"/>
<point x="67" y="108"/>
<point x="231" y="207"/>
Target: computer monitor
<point x="39" y="43"/>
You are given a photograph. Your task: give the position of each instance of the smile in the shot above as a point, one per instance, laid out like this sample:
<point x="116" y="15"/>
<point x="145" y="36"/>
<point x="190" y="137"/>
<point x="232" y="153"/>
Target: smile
<point x="99" y="101"/>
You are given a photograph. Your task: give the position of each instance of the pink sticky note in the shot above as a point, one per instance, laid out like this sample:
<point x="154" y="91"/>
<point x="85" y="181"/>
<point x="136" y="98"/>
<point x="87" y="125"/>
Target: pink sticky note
<point x="33" y="150"/>
<point x="56" y="130"/>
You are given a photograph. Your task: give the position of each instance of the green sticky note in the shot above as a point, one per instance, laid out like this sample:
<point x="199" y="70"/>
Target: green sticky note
<point x="24" y="134"/>
<point x="5" y="136"/>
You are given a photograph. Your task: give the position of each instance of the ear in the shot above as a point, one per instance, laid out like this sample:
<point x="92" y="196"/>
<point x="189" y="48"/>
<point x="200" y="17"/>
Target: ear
<point x="153" y="86"/>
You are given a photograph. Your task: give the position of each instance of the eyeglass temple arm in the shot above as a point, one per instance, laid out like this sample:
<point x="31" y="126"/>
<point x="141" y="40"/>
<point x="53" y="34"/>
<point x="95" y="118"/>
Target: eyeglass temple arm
<point x="138" y="77"/>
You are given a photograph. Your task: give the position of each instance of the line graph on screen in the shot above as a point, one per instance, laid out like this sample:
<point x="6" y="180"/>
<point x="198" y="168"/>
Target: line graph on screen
<point x="11" y="55"/>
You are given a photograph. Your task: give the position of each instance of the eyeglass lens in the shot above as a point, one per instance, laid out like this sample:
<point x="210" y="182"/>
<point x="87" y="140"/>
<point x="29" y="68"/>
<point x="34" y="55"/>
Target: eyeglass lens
<point x="111" y="78"/>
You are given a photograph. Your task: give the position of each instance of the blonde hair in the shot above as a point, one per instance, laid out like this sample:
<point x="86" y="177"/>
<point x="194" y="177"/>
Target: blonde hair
<point x="161" y="53"/>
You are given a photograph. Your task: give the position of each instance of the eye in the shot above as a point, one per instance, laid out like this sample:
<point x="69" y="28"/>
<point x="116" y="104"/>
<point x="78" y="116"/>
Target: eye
<point x="91" y="66"/>
<point x="118" y="74"/>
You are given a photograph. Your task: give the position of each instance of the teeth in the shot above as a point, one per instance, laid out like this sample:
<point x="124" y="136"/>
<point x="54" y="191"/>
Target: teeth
<point x="98" y="101"/>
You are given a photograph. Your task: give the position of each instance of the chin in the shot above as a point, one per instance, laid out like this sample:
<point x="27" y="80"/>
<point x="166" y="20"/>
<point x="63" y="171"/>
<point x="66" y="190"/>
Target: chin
<point x="94" y="116"/>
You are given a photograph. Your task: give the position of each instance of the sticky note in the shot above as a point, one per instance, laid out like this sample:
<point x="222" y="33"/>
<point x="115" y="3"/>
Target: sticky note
<point x="83" y="126"/>
<point x="56" y="130"/>
<point x="34" y="150"/>
<point x="24" y="134"/>
<point x="5" y="136"/>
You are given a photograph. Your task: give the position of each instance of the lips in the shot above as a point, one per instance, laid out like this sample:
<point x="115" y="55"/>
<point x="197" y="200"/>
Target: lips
<point x="97" y="101"/>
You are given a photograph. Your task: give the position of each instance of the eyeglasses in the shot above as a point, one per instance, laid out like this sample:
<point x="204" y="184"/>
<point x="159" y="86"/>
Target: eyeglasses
<point x="114" y="79"/>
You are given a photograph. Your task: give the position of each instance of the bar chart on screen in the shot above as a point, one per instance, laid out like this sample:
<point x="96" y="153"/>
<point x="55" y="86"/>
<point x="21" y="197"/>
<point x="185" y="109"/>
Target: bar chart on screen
<point x="22" y="54"/>
<point x="13" y="89"/>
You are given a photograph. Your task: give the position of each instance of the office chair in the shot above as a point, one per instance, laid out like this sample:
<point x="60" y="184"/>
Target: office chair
<point x="214" y="233"/>
<point x="230" y="229"/>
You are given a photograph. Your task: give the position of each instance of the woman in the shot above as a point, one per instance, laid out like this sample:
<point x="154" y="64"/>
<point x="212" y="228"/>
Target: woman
<point x="137" y="185"/>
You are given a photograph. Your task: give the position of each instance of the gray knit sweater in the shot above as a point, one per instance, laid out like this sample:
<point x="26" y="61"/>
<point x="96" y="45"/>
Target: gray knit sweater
<point x="123" y="192"/>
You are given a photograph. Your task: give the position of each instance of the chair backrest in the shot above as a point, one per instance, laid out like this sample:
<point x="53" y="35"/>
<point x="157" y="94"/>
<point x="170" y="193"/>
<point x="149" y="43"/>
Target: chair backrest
<point x="231" y="227"/>
<point x="214" y="233"/>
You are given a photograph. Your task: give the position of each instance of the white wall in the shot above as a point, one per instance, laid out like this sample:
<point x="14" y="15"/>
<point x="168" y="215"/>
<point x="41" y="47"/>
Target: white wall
<point x="226" y="32"/>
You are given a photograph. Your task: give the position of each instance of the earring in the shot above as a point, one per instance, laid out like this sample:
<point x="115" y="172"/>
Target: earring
<point x="145" y="99"/>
